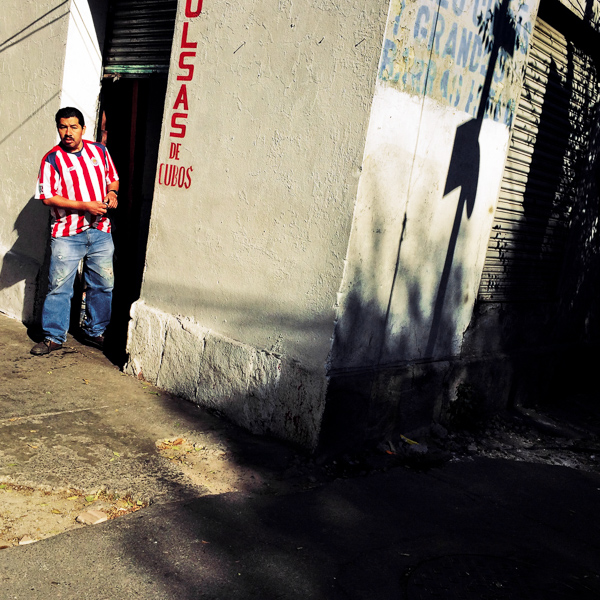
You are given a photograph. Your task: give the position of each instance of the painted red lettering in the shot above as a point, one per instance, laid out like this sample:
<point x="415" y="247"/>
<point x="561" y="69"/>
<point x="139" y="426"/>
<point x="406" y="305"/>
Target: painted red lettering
<point x="188" y="8"/>
<point x="181" y="177"/>
<point x="188" y="177"/>
<point x="173" y="169"/>
<point x="176" y="125"/>
<point x="184" y="37"/>
<point x="186" y="67"/>
<point x="167" y="180"/>
<point x="174" y="151"/>
<point x="181" y="98"/>
<point x="172" y="175"/>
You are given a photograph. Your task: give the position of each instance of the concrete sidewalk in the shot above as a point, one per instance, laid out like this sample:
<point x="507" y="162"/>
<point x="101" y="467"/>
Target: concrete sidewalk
<point x="477" y="528"/>
<point x="73" y="420"/>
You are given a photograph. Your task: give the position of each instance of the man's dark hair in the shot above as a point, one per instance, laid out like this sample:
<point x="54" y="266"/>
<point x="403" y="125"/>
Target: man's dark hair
<point x="67" y="112"/>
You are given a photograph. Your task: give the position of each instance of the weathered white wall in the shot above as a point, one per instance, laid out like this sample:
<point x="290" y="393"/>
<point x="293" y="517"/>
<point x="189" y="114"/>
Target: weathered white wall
<point x="253" y="250"/>
<point x="263" y="391"/>
<point x="33" y="38"/>
<point x="83" y="60"/>
<point x="417" y="250"/>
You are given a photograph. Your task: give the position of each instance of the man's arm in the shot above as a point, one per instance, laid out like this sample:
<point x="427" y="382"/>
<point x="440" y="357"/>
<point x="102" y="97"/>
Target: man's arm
<point x="95" y="208"/>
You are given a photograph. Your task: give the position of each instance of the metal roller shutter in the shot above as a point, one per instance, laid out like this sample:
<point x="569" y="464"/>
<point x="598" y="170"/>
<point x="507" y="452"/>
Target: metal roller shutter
<point x="140" y="37"/>
<point x="539" y="188"/>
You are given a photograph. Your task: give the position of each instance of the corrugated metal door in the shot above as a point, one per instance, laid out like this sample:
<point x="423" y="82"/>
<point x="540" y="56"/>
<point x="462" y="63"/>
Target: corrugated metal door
<point x="140" y="37"/>
<point x="539" y="189"/>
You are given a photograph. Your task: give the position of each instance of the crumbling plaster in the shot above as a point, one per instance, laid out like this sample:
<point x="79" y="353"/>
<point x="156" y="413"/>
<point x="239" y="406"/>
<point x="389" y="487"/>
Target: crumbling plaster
<point x="262" y="391"/>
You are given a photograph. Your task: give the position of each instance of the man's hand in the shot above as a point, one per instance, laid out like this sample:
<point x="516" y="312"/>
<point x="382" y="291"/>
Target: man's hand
<point x="110" y="200"/>
<point x="95" y="208"/>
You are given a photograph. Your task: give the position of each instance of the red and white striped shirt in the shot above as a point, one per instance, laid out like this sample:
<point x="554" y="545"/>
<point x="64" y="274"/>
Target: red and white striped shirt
<point x="82" y="176"/>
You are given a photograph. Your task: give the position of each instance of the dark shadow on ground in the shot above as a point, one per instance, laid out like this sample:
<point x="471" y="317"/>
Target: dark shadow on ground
<point x="483" y="529"/>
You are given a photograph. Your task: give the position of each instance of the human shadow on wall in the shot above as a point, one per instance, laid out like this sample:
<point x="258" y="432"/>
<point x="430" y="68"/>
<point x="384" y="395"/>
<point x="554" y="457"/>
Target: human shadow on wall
<point x="580" y="299"/>
<point x="577" y="321"/>
<point x="530" y="254"/>
<point x="28" y="259"/>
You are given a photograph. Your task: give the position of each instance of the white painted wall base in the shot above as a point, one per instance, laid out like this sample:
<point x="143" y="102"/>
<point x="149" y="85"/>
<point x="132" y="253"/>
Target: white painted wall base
<point x="259" y="390"/>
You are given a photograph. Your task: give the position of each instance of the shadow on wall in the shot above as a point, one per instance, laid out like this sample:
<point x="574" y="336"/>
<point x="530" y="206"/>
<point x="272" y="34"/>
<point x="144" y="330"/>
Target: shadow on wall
<point x="580" y="300"/>
<point x="578" y="311"/>
<point x="531" y="255"/>
<point x="553" y="286"/>
<point x="398" y="385"/>
<point x="527" y="257"/>
<point x="19" y="265"/>
<point x="500" y="30"/>
<point x="36" y="26"/>
<point x="26" y="259"/>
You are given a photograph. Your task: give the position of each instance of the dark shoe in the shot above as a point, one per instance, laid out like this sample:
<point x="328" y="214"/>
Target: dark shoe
<point x="45" y="347"/>
<point x="95" y="342"/>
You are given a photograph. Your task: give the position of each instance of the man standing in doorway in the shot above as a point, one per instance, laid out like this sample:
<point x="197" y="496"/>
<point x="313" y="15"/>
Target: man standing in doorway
<point x="79" y="182"/>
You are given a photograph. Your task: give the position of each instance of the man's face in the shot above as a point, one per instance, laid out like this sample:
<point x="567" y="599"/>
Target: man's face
<point x="71" y="134"/>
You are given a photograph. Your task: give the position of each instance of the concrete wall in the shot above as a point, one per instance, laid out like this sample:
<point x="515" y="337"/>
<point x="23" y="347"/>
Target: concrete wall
<point x="264" y="132"/>
<point x="431" y="174"/>
<point x="32" y="52"/>
<point x="83" y="59"/>
<point x="448" y="85"/>
<point x="51" y="57"/>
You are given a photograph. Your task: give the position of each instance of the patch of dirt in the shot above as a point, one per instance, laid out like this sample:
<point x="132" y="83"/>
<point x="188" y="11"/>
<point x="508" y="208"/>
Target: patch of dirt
<point x="208" y="465"/>
<point x="523" y="442"/>
<point x="28" y="515"/>
<point x="205" y="463"/>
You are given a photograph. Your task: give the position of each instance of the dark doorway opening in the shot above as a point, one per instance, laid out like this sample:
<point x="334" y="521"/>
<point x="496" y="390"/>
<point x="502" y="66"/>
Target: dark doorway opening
<point x="136" y="40"/>
<point x="131" y="111"/>
<point x="137" y="53"/>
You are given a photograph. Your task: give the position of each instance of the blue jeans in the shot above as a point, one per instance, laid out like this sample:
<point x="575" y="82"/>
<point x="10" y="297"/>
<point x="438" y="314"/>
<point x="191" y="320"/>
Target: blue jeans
<point x="97" y="249"/>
